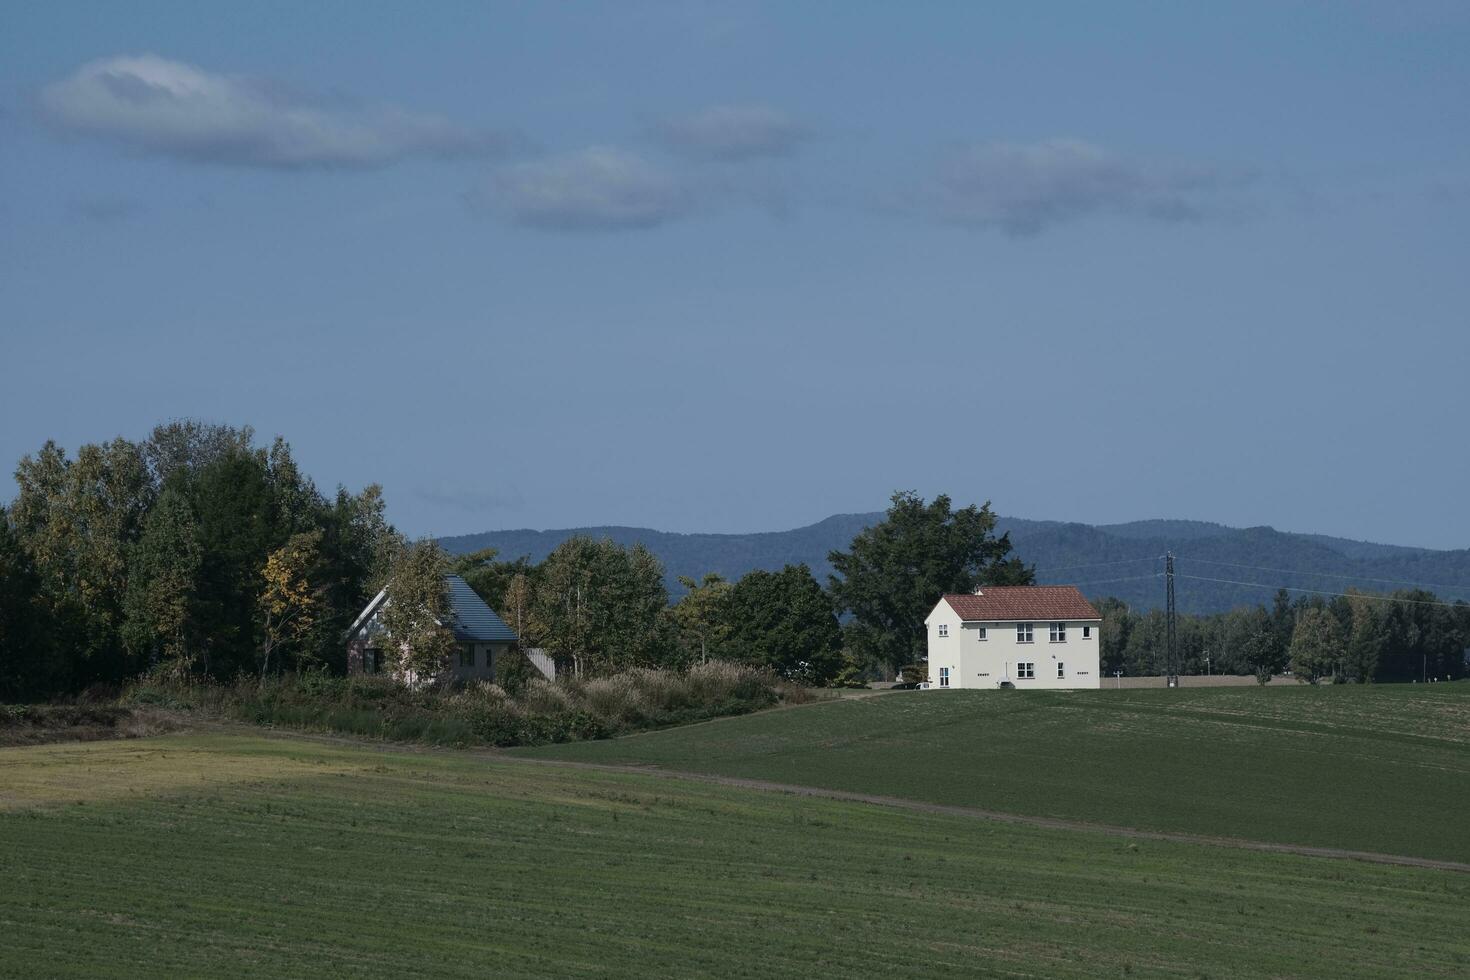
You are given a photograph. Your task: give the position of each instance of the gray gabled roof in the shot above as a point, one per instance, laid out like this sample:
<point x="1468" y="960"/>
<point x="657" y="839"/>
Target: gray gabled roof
<point x="473" y="621"/>
<point x="470" y="619"/>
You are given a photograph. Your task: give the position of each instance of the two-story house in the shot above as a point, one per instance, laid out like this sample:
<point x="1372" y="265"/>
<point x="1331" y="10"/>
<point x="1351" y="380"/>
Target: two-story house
<point x="1023" y="636"/>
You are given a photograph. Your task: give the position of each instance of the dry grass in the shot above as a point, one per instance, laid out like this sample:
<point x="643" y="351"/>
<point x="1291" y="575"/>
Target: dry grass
<point x="40" y="724"/>
<point x="569" y="709"/>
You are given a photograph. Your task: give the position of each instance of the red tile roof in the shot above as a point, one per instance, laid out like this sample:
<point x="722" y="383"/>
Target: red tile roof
<point x="1024" y="603"/>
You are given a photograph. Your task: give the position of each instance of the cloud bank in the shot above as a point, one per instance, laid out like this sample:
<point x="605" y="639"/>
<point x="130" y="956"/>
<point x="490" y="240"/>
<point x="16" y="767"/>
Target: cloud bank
<point x="1026" y="188"/>
<point x="153" y="105"/>
<point x="597" y="189"/>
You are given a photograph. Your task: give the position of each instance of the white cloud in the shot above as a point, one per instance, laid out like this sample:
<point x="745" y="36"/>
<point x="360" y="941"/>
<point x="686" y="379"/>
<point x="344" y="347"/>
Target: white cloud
<point x="600" y="188"/>
<point x="154" y="105"/>
<point x="1024" y="188"/>
<point x="732" y="133"/>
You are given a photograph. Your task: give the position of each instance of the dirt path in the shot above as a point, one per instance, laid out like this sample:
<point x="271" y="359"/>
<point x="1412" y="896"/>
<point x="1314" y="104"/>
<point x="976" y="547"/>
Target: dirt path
<point x="999" y="816"/>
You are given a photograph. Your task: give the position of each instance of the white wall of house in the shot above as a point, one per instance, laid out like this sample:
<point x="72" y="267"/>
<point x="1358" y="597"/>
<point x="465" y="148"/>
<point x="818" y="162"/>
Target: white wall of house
<point x="982" y="655"/>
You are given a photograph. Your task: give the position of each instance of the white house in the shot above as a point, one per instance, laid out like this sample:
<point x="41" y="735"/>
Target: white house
<point x="1026" y="636"/>
<point x="481" y="637"/>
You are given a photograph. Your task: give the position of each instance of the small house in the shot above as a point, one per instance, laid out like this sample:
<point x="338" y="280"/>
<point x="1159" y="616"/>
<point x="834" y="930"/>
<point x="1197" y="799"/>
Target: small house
<point x="481" y="637"/>
<point x="1015" y="636"/>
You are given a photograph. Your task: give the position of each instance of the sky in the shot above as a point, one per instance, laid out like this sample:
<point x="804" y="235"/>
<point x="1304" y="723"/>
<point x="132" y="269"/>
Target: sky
<point x="737" y="267"/>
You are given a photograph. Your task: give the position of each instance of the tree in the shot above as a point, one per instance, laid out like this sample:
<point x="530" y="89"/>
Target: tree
<point x="783" y="620"/>
<point x="416" y="614"/>
<point x="78" y="521"/>
<point x="1316" y="644"/>
<point x="601" y="606"/>
<point x="516" y="607"/>
<point x="188" y="445"/>
<point x="27" y="668"/>
<point x="163" y="586"/>
<point x="1117" y="621"/>
<point x="702" y="615"/>
<point x="288" y="601"/>
<point x="896" y="571"/>
<point x="1366" y="637"/>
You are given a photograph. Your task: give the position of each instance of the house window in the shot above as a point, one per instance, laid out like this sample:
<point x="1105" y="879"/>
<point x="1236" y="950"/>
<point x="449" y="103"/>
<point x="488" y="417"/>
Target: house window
<point x="943" y="629"/>
<point x="1059" y="632"/>
<point x="370" y="661"/>
<point x="1061" y="670"/>
<point x="1087" y="632"/>
<point x="981" y="631"/>
<point x="1023" y="632"/>
<point x="467" y="656"/>
<point x="944" y="677"/>
<point x="1025" y="672"/>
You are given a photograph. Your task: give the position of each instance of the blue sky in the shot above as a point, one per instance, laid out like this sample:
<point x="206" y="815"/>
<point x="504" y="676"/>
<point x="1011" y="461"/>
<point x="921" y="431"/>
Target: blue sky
<point x="716" y="267"/>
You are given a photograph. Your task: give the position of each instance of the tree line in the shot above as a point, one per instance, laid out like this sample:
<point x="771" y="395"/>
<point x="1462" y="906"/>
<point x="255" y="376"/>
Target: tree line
<point x="1360" y="637"/>
<point x="599" y="607"/>
<point x="193" y="552"/>
<point x="196" y="554"/>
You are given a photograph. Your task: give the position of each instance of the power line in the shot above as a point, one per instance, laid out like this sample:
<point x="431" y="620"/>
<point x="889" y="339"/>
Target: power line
<point x="1297" y="571"/>
<point x="1125" y="578"/>
<point x="1096" y="564"/>
<point x="1345" y="595"/>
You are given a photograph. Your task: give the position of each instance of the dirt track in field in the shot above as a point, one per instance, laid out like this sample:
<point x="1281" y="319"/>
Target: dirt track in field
<point x="999" y="816"/>
<point x="871" y="799"/>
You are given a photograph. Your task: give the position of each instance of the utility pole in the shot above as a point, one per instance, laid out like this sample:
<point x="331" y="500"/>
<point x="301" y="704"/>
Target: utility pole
<point x="1170" y="629"/>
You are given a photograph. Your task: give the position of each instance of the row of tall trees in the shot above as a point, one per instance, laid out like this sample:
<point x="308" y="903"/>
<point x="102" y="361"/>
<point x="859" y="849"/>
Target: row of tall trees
<point x="193" y="552"/>
<point x="197" y="553"/>
<point x="1360" y="637"/>
<point x="601" y="607"/>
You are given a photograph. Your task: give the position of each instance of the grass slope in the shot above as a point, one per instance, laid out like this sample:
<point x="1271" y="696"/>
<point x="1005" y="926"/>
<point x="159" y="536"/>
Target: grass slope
<point x="244" y="856"/>
<point x="1383" y="768"/>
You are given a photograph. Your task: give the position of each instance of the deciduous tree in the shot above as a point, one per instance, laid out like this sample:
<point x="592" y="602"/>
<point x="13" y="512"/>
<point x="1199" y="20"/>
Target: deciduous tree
<point x="162" y="627"/>
<point x="416" y="615"/>
<point x="289" y="600"/>
<point x="702" y="615"/>
<point x="1316" y="644"/>
<point x="783" y="620"/>
<point x="895" y="571"/>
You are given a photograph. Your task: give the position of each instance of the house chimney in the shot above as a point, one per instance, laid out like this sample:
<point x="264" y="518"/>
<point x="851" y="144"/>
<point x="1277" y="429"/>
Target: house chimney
<point x="978" y="591"/>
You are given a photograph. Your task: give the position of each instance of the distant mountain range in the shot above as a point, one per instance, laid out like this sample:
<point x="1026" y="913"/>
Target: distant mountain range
<point x="1217" y="567"/>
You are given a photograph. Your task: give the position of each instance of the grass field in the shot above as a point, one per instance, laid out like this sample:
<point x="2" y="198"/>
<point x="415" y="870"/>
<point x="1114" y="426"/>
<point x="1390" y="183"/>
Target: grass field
<point x="240" y="855"/>
<point x="1376" y="768"/>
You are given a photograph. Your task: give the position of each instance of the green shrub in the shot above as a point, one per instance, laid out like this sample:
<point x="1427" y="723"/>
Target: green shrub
<point x="479" y="713"/>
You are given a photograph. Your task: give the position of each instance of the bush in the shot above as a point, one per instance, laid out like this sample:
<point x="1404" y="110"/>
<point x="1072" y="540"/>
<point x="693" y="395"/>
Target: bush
<point x="479" y="713"/>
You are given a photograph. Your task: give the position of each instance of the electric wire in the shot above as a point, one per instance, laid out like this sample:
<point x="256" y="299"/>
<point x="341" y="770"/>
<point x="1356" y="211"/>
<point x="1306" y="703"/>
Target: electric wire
<point x="1096" y="564"/>
<point x="1345" y="595"/>
<point x="1297" y="571"/>
<point x="1125" y="578"/>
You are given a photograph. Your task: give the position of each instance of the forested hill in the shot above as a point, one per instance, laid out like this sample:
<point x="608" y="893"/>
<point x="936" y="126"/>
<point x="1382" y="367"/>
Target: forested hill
<point x="1123" y="560"/>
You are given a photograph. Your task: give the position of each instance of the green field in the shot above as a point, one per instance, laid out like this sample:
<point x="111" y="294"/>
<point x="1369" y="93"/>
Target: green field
<point x="240" y="855"/>
<point x="1375" y="768"/>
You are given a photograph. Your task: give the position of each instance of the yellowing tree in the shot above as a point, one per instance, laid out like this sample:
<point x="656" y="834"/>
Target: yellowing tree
<point x="288" y="601"/>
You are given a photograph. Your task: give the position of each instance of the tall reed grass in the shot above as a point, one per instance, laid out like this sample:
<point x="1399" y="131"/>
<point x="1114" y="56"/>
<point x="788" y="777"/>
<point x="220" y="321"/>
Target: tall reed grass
<point x="480" y="713"/>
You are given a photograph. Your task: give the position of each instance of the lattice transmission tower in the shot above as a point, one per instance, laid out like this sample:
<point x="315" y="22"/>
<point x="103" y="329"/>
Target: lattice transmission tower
<point x="1171" y="650"/>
